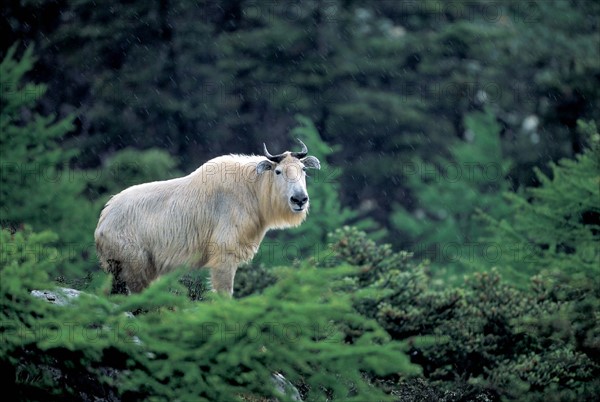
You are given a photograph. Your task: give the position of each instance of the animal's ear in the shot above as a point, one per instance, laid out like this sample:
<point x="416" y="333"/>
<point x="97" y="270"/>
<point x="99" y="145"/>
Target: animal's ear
<point x="311" y="162"/>
<point x="264" y="165"/>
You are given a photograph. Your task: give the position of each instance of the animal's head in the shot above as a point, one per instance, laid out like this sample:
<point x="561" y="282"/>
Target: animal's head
<point x="288" y="172"/>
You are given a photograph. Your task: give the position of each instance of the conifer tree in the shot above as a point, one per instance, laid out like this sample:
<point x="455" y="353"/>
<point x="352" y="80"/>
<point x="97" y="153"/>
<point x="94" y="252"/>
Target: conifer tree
<point x="31" y="158"/>
<point x="37" y="185"/>
<point x="555" y="228"/>
<point x="442" y="224"/>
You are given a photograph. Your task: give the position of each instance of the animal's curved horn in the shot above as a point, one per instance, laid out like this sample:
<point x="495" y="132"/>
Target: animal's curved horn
<point x="272" y="158"/>
<point x="302" y="153"/>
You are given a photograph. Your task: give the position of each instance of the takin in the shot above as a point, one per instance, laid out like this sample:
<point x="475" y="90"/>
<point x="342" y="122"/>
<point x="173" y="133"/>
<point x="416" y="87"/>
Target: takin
<point x="216" y="217"/>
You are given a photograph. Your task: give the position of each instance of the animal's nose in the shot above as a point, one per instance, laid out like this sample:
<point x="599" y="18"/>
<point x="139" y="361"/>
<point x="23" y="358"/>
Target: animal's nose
<point x="299" y="199"/>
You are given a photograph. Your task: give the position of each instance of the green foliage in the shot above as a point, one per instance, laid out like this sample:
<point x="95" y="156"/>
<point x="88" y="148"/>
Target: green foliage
<point x="231" y="347"/>
<point x="556" y="227"/>
<point x="220" y="349"/>
<point x="31" y="157"/>
<point x="37" y="185"/>
<point x="500" y="340"/>
<point x="497" y="338"/>
<point x="129" y="166"/>
<point x="449" y="192"/>
<point x="25" y="258"/>
<point x="43" y="344"/>
<point x="554" y="375"/>
<point x="252" y="278"/>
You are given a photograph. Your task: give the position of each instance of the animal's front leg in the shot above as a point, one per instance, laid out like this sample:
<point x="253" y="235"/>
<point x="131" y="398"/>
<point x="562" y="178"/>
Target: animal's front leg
<point x="223" y="262"/>
<point x="222" y="278"/>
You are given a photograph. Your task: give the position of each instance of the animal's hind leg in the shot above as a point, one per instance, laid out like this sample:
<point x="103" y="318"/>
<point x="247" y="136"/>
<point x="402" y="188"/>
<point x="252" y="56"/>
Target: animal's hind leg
<point x="140" y="271"/>
<point x="119" y="286"/>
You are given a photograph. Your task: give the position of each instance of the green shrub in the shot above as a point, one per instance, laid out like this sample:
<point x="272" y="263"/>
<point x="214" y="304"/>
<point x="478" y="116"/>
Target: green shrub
<point x="253" y="279"/>
<point x="220" y="349"/>
<point x="47" y="351"/>
<point x="128" y="167"/>
<point x="500" y="339"/>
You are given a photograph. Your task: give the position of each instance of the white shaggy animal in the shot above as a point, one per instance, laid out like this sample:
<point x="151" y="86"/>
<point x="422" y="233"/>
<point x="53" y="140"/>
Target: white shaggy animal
<point x="215" y="217"/>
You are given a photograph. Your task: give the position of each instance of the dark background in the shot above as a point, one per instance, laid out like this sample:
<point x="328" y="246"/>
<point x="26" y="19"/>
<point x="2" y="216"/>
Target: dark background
<point x="384" y="82"/>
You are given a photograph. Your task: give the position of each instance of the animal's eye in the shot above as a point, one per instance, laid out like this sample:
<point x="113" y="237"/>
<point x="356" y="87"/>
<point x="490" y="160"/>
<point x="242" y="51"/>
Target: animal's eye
<point x="304" y="169"/>
<point x="278" y="172"/>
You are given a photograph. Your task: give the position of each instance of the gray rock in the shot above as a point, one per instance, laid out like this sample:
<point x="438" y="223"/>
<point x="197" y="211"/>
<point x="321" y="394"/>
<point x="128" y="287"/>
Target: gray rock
<point x="285" y="387"/>
<point x="60" y="297"/>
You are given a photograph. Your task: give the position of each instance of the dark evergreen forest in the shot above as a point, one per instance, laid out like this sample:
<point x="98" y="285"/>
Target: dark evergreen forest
<point x="452" y="250"/>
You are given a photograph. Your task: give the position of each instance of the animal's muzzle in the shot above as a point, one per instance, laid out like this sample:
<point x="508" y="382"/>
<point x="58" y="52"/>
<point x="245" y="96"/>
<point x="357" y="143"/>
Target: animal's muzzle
<point x="299" y="199"/>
